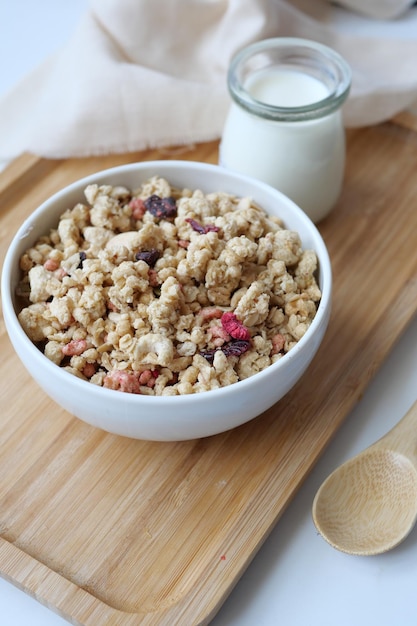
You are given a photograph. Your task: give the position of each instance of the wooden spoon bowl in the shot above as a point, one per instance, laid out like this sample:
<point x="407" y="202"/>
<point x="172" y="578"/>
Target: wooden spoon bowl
<point x="369" y="504"/>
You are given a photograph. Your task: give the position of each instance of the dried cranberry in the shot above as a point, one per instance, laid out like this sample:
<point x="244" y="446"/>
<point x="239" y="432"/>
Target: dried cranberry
<point x="161" y="208"/>
<point x="83" y="257"/>
<point x="199" y="228"/>
<point x="149" y="256"/>
<point x="236" y="348"/>
<point x="232" y="348"/>
<point x="209" y="354"/>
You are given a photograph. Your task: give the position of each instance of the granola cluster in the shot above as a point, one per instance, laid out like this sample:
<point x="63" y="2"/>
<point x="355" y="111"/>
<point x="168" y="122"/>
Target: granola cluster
<point x="163" y="291"/>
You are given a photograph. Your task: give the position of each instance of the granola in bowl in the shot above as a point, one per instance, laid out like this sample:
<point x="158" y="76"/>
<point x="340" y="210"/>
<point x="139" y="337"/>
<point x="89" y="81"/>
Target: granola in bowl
<point x="167" y="291"/>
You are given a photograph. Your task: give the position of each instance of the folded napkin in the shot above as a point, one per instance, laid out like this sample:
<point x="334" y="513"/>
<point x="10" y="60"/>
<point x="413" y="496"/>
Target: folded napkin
<point x="379" y="9"/>
<point x="148" y="73"/>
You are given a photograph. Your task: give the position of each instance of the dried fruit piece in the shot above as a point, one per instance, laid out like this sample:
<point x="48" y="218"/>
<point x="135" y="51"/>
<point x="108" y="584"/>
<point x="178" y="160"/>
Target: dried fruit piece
<point x="209" y="354"/>
<point x="51" y="265"/>
<point x="138" y="208"/>
<point x="278" y="343"/>
<point x="161" y="208"/>
<point x="147" y="378"/>
<point x="89" y="370"/>
<point x="120" y="380"/>
<point x="210" y="313"/>
<point x="149" y="256"/>
<point x="234" y="327"/>
<point x="236" y="348"/>
<point x="75" y="347"/>
<point x="199" y="228"/>
<point x="232" y="348"/>
<point x="83" y="257"/>
<point x="218" y="336"/>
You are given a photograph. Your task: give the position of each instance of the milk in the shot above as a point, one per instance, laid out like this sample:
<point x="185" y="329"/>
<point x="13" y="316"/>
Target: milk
<point x="284" y="87"/>
<point x="303" y="159"/>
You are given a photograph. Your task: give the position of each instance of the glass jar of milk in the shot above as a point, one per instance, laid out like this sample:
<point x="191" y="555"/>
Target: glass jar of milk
<point x="285" y="125"/>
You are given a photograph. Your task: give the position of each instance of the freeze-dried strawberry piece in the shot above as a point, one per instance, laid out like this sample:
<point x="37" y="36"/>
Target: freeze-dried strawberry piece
<point x="199" y="228"/>
<point x="75" y="347"/>
<point x="218" y="335"/>
<point x="234" y="327"/>
<point x="51" y="265"/>
<point x="138" y="208"/>
<point x="120" y="380"/>
<point x="148" y="378"/>
<point x="161" y="208"/>
<point x="149" y="256"/>
<point x="209" y="313"/>
<point x="278" y="343"/>
<point x="89" y="370"/>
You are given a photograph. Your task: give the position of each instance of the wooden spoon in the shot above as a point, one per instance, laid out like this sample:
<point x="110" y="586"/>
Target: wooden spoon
<point x="369" y="504"/>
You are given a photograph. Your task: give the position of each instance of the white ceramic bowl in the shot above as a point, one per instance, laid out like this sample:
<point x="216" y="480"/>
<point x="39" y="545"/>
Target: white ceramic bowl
<point x="168" y="418"/>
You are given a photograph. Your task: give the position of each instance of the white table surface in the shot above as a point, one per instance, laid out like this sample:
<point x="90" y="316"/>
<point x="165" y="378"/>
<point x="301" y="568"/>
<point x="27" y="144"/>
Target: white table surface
<point x="296" y="579"/>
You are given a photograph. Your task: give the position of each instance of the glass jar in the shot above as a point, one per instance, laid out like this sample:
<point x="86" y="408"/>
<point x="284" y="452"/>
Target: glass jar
<point x="284" y="125"/>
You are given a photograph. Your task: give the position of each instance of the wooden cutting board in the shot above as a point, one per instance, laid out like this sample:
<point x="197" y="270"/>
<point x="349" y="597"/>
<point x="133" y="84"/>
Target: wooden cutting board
<point x="110" y="531"/>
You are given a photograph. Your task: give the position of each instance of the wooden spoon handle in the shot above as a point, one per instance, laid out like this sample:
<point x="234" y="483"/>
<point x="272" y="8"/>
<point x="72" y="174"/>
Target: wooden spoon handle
<point x="403" y="436"/>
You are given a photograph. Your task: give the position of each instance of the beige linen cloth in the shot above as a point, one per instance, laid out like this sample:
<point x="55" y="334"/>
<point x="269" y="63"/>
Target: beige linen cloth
<point x="149" y="73"/>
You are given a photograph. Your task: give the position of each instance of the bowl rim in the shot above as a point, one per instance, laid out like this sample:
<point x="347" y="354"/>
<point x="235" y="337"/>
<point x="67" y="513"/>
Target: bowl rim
<point x="54" y="370"/>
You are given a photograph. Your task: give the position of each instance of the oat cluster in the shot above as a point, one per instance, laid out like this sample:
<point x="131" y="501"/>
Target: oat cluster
<point x="162" y="291"/>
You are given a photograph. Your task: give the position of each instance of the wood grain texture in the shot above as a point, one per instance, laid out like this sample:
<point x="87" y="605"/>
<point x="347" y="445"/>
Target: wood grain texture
<point x="110" y="531"/>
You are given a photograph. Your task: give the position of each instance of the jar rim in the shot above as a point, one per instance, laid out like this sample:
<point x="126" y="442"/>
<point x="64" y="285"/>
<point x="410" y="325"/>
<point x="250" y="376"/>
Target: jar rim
<point x="316" y="57"/>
